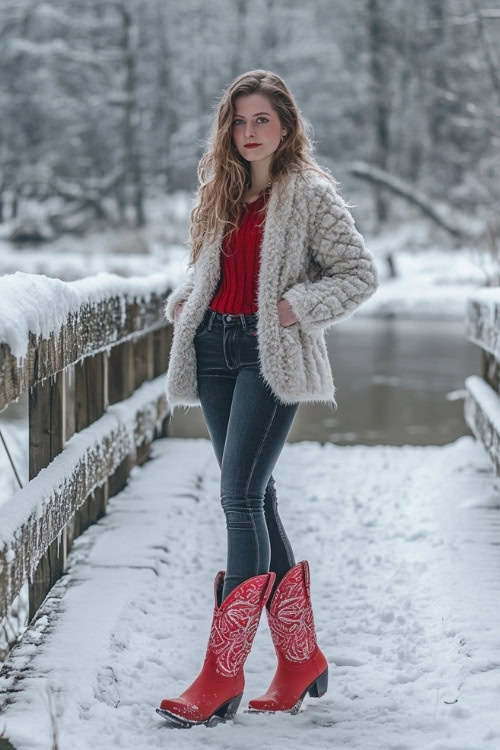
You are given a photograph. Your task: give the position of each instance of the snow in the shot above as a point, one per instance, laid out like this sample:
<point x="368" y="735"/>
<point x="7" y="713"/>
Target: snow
<point x="435" y="283"/>
<point x="426" y="289"/>
<point x="434" y="280"/>
<point x="417" y="299"/>
<point x="70" y="264"/>
<point x="41" y="305"/>
<point x="431" y="284"/>
<point x="404" y="558"/>
<point x="404" y="554"/>
<point x="490" y="295"/>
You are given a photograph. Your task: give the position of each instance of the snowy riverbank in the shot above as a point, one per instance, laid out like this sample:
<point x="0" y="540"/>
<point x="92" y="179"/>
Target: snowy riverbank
<point x="433" y="280"/>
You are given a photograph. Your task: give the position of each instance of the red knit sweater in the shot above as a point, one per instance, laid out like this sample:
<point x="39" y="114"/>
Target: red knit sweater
<point x="237" y="291"/>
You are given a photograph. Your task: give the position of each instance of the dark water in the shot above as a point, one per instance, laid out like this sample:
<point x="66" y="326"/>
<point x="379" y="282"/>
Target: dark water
<point x="398" y="382"/>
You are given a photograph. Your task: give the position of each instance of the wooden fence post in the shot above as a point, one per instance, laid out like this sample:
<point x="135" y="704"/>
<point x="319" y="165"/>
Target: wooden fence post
<point x="491" y="370"/>
<point x="144" y="370"/>
<point x="162" y="343"/>
<point x="121" y="383"/>
<point x="91" y="401"/>
<point x="47" y="425"/>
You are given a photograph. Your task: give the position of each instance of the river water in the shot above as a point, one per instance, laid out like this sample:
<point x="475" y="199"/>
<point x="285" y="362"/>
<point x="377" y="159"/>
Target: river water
<point x="398" y="382"/>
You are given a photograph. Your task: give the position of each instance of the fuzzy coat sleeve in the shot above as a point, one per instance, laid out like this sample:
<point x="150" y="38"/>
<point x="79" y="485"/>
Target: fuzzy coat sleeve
<point x="178" y="294"/>
<point x="349" y="275"/>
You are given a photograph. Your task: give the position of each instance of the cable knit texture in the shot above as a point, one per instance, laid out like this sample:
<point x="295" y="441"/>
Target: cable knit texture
<point x="240" y="260"/>
<point x="311" y="255"/>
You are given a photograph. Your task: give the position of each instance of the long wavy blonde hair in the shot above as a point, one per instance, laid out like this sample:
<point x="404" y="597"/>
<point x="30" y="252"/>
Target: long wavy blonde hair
<point x="224" y="175"/>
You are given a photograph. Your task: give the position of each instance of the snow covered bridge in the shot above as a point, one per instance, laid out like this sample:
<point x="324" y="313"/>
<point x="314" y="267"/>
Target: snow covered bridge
<point x="404" y="579"/>
<point x="403" y="544"/>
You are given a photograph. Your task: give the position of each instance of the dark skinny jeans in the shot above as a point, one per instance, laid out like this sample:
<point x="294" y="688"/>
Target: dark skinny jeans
<point x="248" y="427"/>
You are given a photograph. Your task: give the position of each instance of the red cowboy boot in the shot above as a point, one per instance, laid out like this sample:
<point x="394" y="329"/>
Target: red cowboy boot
<point x="302" y="666"/>
<point x="217" y="691"/>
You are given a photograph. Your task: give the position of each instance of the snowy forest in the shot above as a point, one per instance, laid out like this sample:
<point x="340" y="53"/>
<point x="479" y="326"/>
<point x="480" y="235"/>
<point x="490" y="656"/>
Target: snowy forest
<point x="111" y="525"/>
<point x="106" y="105"/>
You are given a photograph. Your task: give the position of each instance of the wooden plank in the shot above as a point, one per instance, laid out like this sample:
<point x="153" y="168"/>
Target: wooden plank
<point x="121" y="382"/>
<point x="121" y="372"/>
<point x="161" y="349"/>
<point x="91" y="389"/>
<point x="144" y="358"/>
<point x="70" y="431"/>
<point x="162" y="342"/>
<point x="91" y="401"/>
<point x="144" y="370"/>
<point x="47" y="426"/>
<point x="491" y="370"/>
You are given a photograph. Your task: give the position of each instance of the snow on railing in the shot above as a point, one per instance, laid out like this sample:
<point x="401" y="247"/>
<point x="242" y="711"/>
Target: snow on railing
<point x="482" y="400"/>
<point x="47" y="324"/>
<point x="113" y="333"/>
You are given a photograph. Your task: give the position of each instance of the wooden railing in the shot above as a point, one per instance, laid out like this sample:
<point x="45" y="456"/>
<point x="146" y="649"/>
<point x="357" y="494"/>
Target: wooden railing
<point x="482" y="400"/>
<point x="100" y="377"/>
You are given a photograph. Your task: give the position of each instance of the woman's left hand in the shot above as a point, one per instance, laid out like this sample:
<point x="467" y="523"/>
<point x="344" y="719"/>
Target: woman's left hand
<point x="285" y="313"/>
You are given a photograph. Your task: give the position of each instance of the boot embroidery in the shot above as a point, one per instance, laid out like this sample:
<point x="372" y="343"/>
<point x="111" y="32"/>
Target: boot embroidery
<point x="234" y="629"/>
<point x="291" y="622"/>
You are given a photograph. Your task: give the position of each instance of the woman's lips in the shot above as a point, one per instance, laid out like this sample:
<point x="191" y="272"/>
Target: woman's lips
<point x="252" y="145"/>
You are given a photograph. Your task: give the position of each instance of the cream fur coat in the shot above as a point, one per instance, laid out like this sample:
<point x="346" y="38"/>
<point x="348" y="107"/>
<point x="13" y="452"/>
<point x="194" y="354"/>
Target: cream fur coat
<point x="311" y="255"/>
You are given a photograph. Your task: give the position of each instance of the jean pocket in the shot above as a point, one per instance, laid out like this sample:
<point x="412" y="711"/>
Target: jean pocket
<point x="201" y="330"/>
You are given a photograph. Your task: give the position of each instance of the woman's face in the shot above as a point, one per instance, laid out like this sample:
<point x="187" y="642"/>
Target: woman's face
<point x="255" y="121"/>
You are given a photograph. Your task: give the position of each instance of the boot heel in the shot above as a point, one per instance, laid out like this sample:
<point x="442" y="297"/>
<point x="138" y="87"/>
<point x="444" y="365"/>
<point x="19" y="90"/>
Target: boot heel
<point x="228" y="710"/>
<point x="319" y="687"/>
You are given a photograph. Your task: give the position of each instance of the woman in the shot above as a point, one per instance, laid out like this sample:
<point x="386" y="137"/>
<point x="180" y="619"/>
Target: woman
<point x="276" y="260"/>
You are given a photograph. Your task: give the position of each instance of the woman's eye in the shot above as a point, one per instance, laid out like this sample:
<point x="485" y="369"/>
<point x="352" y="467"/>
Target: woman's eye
<point x="235" y="122"/>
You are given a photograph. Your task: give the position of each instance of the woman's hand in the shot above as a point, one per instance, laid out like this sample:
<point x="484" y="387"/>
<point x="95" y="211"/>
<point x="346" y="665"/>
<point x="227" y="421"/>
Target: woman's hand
<point x="285" y="313"/>
<point x="178" y="309"/>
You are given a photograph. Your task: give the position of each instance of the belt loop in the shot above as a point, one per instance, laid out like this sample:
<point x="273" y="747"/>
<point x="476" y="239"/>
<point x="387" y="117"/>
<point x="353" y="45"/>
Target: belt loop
<point x="243" y="321"/>
<point x="214" y="313"/>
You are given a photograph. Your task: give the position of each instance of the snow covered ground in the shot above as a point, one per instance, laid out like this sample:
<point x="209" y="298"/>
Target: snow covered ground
<point x="433" y="284"/>
<point x="404" y="548"/>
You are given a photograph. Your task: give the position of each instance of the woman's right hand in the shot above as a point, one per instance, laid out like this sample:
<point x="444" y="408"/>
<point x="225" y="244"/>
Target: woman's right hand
<point x="178" y="309"/>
